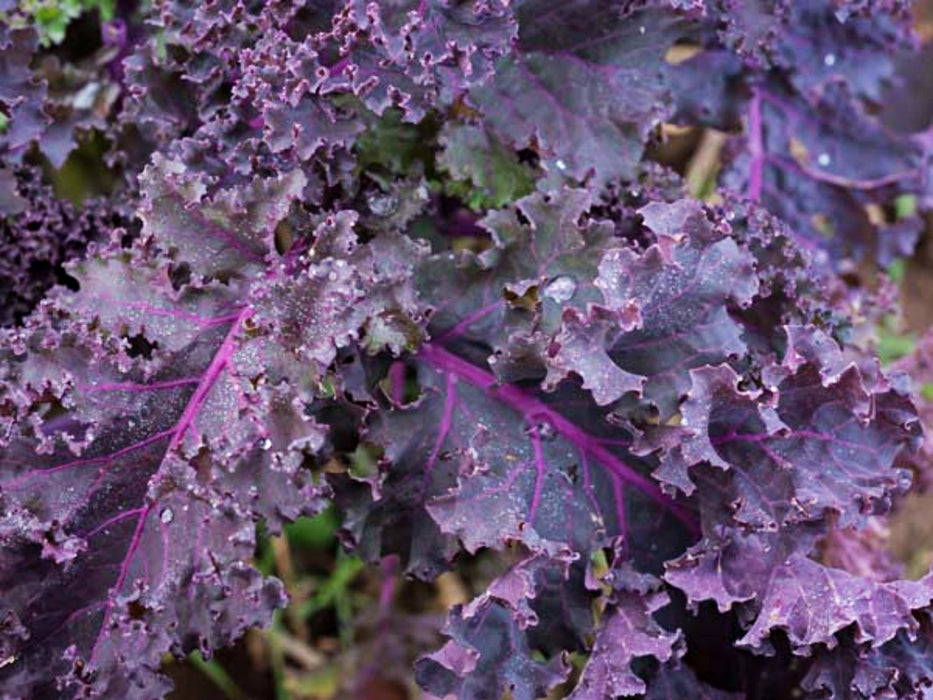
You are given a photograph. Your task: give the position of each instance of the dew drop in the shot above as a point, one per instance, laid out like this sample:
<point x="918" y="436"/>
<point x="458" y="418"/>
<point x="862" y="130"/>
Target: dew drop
<point x="544" y="430"/>
<point x="829" y="60"/>
<point x="85" y="97"/>
<point x="642" y="30"/>
<point x="382" y="204"/>
<point x="265" y="445"/>
<point x="904" y="480"/>
<point x="824" y="159"/>
<point x="332" y="276"/>
<point x="561" y="165"/>
<point x="166" y="516"/>
<point x="561" y="289"/>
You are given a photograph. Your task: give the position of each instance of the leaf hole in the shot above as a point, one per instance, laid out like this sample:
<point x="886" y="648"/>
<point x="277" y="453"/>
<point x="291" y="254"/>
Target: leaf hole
<point x="135" y="610"/>
<point x="140" y="346"/>
<point x="68" y="281"/>
<point x="284" y="237"/>
<point x="528" y="156"/>
<point x="179" y="275"/>
<point x="400" y="384"/>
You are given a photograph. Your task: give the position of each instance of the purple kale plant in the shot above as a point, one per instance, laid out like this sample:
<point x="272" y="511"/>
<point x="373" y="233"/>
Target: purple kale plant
<point x="433" y="232"/>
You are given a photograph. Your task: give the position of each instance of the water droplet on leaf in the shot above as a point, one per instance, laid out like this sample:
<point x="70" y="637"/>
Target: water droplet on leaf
<point x="382" y="204"/>
<point x="166" y="516"/>
<point x="904" y="480"/>
<point x="544" y="430"/>
<point x="824" y="159"/>
<point x="829" y="60"/>
<point x="561" y="289"/>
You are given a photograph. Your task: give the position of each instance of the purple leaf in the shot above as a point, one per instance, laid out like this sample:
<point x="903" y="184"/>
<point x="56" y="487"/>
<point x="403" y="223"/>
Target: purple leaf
<point x="41" y="234"/>
<point x="901" y="668"/>
<point x="415" y="54"/>
<point x="486" y="656"/>
<point x="819" y="164"/>
<point x="490" y="650"/>
<point x="81" y="98"/>
<point x="597" y="71"/>
<point x="121" y="552"/>
<point x="821" y="42"/>
<point x="231" y="231"/>
<point x="685" y="287"/>
<point x="623" y="320"/>
<point x="389" y="516"/>
<point x="779" y="588"/>
<point x="811" y="602"/>
<point x="21" y="94"/>
<point x="817" y="450"/>
<point x="132" y="479"/>
<point x="679" y="682"/>
<point x="626" y="632"/>
<point x="550" y="479"/>
<point x="651" y="414"/>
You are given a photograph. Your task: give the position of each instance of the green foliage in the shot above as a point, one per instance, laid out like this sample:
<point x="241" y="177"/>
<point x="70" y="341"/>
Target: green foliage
<point x="893" y="344"/>
<point x="401" y="148"/>
<point x="462" y="161"/>
<point x="52" y="17"/>
<point x="483" y="173"/>
<point x="218" y="676"/>
<point x="926" y="391"/>
<point x="318" y="532"/>
<point x="897" y="270"/>
<point x="334" y="591"/>
<point x="905" y="206"/>
<point x="85" y="172"/>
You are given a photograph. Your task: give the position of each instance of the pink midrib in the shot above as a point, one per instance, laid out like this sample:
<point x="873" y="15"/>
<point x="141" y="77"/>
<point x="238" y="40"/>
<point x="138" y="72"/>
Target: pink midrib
<point x="756" y="147"/>
<point x="213" y="372"/>
<point x="532" y="409"/>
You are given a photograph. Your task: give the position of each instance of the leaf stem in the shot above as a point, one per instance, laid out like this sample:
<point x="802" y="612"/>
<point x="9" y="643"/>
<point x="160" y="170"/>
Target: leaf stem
<point x="534" y="409"/>
<point x="756" y="147"/>
<point x="277" y="656"/>
<point x="217" y="675"/>
<point x="334" y="587"/>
